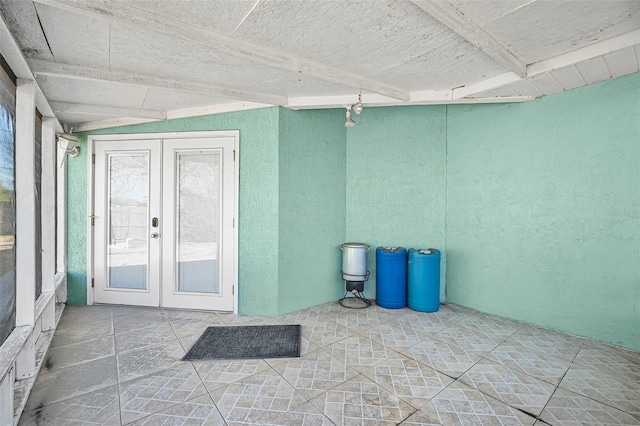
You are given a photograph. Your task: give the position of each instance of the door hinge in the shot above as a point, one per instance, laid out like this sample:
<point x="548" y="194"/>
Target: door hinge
<point x="93" y="284"/>
<point x="93" y="220"/>
<point x="234" y="155"/>
<point x="233" y="290"/>
<point x="234" y="222"/>
<point x="93" y="159"/>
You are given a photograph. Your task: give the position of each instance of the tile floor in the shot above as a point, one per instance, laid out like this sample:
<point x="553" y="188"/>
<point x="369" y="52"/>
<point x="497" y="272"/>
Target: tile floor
<point x="118" y="365"/>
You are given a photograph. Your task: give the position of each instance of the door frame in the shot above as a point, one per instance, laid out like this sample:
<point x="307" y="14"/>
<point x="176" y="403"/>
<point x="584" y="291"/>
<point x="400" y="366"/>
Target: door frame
<point x="93" y="139"/>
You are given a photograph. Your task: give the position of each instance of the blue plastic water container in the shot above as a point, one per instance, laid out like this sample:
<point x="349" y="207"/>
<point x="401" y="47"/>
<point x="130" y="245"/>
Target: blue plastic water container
<point x="423" y="287"/>
<point x="391" y="277"/>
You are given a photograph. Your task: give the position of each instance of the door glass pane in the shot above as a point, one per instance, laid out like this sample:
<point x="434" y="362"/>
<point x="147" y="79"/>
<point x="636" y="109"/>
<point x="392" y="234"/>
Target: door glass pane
<point x="128" y="198"/>
<point x="198" y="221"/>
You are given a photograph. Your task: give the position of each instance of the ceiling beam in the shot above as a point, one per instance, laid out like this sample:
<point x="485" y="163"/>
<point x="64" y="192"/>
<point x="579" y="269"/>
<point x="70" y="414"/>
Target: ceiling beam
<point x="338" y="101"/>
<point x="170" y="115"/>
<point x="601" y="48"/>
<point x="40" y="67"/>
<point x="111" y="122"/>
<point x="483" y="85"/>
<point x="214" y="109"/>
<point x="585" y="53"/>
<point x="455" y="20"/>
<point x="427" y="97"/>
<point x="102" y="110"/>
<point x="125" y="14"/>
<point x="342" y="101"/>
<point x="11" y="52"/>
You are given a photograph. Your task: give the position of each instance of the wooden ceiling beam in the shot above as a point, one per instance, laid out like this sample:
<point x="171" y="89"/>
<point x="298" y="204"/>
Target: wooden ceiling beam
<point x="170" y="115"/>
<point x="123" y="14"/>
<point x="111" y="122"/>
<point x="600" y="48"/>
<point x="456" y="21"/>
<point x="40" y="67"/>
<point x="427" y="97"/>
<point x="595" y="50"/>
<point x="484" y="85"/>
<point x="102" y="110"/>
<point x="11" y="52"/>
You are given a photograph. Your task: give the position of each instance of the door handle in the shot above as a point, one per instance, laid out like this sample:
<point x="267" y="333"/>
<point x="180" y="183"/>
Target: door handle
<point x="155" y="235"/>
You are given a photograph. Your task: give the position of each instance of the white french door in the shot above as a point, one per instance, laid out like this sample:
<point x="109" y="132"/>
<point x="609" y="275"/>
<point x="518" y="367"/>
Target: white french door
<point x="164" y="221"/>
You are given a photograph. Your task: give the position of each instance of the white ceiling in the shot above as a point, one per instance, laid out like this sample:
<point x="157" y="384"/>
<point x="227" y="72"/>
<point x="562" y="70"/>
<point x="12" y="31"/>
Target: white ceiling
<point x="101" y="62"/>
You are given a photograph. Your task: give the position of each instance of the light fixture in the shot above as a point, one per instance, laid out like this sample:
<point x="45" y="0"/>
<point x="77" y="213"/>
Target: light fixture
<point x="69" y="144"/>
<point x="357" y="107"/>
<point x="349" y="122"/>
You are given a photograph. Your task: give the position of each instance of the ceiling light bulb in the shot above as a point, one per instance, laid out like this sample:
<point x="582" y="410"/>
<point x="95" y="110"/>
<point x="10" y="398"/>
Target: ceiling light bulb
<point x="349" y="122"/>
<point x="357" y="108"/>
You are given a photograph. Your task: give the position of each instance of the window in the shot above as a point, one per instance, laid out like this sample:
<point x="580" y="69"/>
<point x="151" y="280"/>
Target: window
<point x="7" y="202"/>
<point x="38" y="212"/>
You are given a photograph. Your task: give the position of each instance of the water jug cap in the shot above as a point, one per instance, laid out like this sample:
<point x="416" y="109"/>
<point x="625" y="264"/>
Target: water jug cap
<point x="428" y="251"/>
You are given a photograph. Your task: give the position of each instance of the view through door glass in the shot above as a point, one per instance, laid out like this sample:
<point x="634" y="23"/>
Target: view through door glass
<point x="198" y="222"/>
<point x="128" y="198"/>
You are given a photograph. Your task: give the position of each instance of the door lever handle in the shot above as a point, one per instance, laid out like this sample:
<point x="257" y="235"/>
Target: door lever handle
<point x="155" y="235"/>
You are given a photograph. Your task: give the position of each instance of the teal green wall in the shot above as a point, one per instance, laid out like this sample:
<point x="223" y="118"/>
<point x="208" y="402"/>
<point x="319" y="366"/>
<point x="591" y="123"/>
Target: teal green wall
<point x="543" y="210"/>
<point x="539" y="202"/>
<point x="396" y="180"/>
<point x="77" y="226"/>
<point x="312" y="208"/>
<point x="258" y="204"/>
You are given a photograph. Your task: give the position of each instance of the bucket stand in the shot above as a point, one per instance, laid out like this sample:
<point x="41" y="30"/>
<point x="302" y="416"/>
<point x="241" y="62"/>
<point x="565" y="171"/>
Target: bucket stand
<point x="355" y="288"/>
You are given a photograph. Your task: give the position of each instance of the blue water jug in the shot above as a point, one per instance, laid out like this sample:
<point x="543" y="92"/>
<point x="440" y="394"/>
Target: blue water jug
<point x="391" y="277"/>
<point x="423" y="287"/>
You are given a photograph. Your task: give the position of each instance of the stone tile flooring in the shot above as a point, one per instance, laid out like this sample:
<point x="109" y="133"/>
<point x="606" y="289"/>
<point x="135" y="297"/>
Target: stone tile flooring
<point x="117" y="365"/>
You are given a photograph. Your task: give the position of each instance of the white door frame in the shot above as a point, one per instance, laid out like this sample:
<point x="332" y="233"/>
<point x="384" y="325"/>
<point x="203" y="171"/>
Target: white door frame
<point x="92" y="139"/>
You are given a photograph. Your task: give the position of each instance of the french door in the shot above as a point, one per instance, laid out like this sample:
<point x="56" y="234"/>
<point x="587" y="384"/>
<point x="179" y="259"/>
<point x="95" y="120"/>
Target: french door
<point x="164" y="221"/>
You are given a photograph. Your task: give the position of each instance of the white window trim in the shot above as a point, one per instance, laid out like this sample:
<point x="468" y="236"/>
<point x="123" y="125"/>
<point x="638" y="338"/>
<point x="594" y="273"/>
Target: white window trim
<point x="61" y="212"/>
<point x="48" y="204"/>
<point x="25" y="203"/>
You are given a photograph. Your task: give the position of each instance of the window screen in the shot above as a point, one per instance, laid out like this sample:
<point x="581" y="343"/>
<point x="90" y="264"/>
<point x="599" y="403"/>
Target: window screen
<point x="38" y="212"/>
<point x="7" y="202"/>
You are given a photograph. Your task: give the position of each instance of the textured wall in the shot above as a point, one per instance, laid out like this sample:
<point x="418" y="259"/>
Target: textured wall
<point x="258" y="222"/>
<point x="542" y="203"/>
<point x="543" y="218"/>
<point x="312" y="207"/>
<point x="396" y="180"/>
<point x="77" y="226"/>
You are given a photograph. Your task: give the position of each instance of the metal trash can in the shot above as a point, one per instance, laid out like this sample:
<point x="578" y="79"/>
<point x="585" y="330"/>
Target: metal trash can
<point x="391" y="277"/>
<point x="423" y="289"/>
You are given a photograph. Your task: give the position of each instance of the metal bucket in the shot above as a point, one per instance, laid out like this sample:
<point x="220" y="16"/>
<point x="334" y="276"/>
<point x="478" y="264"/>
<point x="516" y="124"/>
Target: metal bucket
<point x="354" y="261"/>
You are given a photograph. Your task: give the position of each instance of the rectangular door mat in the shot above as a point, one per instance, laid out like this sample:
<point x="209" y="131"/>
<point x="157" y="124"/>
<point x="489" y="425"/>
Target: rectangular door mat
<point x="242" y="342"/>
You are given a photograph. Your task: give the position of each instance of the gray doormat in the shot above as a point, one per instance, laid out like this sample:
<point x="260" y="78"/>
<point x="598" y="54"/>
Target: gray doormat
<point x="243" y="342"/>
